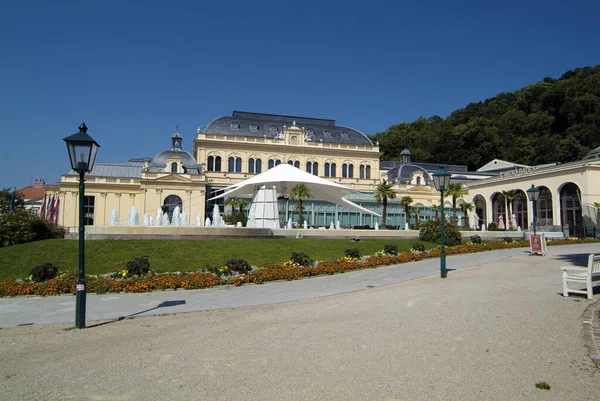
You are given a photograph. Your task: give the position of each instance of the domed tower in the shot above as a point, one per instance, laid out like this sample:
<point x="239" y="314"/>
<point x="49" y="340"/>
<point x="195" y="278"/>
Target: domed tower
<point x="174" y="160"/>
<point x="405" y="156"/>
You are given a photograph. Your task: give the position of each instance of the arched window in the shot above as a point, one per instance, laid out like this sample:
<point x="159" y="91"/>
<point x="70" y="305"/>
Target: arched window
<point x="368" y="172"/>
<point x="211" y="163"/>
<point x="171" y="202"/>
<point x="174" y="167"/>
<point x="231" y="165"/>
<point x="308" y="167"/>
<point x="362" y="171"/>
<point x="291" y="162"/>
<point x="326" y="172"/>
<point x="332" y="170"/>
<point x="315" y="168"/>
<point x="218" y="163"/>
<point x="350" y="171"/>
<point x="344" y="170"/>
<point x="419" y="180"/>
<point x="297" y="164"/>
<point x="271" y="164"/>
<point x="277" y="162"/>
<point x="238" y="165"/>
<point x="251" y="165"/>
<point x="258" y="166"/>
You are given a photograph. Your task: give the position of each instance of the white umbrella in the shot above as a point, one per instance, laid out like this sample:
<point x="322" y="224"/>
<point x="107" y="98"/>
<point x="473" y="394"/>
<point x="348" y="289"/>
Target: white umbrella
<point x="284" y="177"/>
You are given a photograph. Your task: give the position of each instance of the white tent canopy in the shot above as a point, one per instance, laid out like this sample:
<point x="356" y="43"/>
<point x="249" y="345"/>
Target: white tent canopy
<point x="284" y="177"/>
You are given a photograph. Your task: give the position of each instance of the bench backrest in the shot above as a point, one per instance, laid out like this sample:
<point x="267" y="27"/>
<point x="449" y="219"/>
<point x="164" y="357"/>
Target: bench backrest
<point x="594" y="264"/>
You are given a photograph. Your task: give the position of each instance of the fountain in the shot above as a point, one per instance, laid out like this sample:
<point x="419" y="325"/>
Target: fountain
<point x="406" y="226"/>
<point x="165" y="220"/>
<point x="376" y="226"/>
<point x="305" y="224"/>
<point x="337" y="225"/>
<point x="185" y="221"/>
<point x="146" y="219"/>
<point x="159" y="217"/>
<point x="113" y="220"/>
<point x="251" y="220"/>
<point x="239" y="224"/>
<point x="133" y="218"/>
<point x="217" y="220"/>
<point x="331" y="227"/>
<point x="176" y="217"/>
<point x="289" y="224"/>
<point x="207" y="222"/>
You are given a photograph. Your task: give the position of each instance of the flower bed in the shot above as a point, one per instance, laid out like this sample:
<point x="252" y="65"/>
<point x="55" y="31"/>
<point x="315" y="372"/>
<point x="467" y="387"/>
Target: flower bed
<point x="115" y="282"/>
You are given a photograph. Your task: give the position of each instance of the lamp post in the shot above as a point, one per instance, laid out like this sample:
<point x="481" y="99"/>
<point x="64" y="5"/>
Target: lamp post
<point x="82" y="153"/>
<point x="533" y="194"/>
<point x="441" y="180"/>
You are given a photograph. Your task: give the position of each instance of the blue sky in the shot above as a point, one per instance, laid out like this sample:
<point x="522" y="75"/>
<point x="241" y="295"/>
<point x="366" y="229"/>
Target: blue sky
<point x="134" y="70"/>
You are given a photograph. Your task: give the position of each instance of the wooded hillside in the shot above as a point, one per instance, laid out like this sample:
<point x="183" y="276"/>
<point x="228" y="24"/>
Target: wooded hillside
<point x="555" y="120"/>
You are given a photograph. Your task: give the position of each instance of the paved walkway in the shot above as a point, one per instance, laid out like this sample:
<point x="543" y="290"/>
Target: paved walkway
<point x="61" y="309"/>
<point x="487" y="332"/>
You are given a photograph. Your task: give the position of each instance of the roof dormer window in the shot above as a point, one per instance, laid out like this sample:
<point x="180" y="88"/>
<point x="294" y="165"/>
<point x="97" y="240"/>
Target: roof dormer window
<point x="273" y="129"/>
<point x="327" y="134"/>
<point x="254" y="127"/>
<point x="234" y="126"/>
<point x="344" y="134"/>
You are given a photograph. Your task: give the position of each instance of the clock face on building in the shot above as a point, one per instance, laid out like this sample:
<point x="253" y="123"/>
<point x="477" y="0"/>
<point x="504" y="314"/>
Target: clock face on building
<point x="294" y="138"/>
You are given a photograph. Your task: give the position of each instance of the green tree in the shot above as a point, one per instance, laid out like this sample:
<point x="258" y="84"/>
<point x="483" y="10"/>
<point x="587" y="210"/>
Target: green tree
<point x="383" y="192"/>
<point x="6" y="195"/>
<point x="455" y="191"/>
<point x="300" y="192"/>
<point x="436" y="210"/>
<point x="465" y="208"/>
<point x="510" y="197"/>
<point x="405" y="201"/>
<point x="233" y="203"/>
<point x="242" y="204"/>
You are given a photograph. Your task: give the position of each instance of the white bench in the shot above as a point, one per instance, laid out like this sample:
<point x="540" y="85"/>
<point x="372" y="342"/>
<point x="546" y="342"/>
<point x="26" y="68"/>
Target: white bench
<point x="582" y="275"/>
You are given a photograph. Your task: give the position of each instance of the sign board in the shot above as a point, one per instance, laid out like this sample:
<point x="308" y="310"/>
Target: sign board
<point x="518" y="172"/>
<point x="80" y="287"/>
<point x="537" y="243"/>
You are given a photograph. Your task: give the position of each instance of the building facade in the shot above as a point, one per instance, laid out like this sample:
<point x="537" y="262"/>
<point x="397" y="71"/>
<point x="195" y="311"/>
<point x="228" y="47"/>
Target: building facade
<point x="232" y="148"/>
<point x="568" y="194"/>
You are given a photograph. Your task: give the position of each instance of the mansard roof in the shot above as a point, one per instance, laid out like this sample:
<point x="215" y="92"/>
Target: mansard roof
<point x="242" y="123"/>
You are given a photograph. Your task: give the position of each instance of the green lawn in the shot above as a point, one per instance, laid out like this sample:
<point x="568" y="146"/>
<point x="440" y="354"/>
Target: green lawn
<point x="104" y="256"/>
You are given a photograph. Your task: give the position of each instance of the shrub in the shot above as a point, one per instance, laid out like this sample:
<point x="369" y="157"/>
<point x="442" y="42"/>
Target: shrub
<point x="431" y="232"/>
<point x="352" y="253"/>
<point x="301" y="258"/>
<point x="43" y="272"/>
<point x="507" y="240"/>
<point x="238" y="266"/>
<point x="418" y="247"/>
<point x="21" y="226"/>
<point x="493" y="227"/>
<point x="476" y="239"/>
<point x="233" y="218"/>
<point x="138" y="266"/>
<point x="390" y="249"/>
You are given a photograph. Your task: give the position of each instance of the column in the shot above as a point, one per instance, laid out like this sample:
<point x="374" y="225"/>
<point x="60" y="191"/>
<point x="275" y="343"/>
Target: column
<point x="103" y="196"/>
<point x="556" y="220"/>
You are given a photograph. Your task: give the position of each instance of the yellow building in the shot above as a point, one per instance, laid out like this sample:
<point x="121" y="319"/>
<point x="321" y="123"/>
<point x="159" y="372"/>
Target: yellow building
<point x="232" y="148"/>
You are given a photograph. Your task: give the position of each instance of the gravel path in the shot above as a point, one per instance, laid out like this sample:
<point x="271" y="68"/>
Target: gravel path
<point x="488" y="332"/>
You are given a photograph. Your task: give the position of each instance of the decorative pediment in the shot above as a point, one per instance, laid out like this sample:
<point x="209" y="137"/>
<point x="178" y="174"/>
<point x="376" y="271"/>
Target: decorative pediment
<point x="169" y="178"/>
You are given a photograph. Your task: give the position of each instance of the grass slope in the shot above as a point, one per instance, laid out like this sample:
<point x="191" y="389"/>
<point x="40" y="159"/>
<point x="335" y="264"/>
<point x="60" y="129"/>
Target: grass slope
<point x="178" y="255"/>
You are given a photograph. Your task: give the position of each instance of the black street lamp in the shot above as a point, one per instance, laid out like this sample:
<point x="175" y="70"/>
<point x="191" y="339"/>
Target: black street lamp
<point x="441" y="180"/>
<point x="82" y="152"/>
<point x="533" y="194"/>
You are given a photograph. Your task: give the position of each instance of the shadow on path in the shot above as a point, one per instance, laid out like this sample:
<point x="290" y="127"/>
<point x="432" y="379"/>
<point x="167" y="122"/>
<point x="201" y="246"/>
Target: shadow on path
<point x="164" y="304"/>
